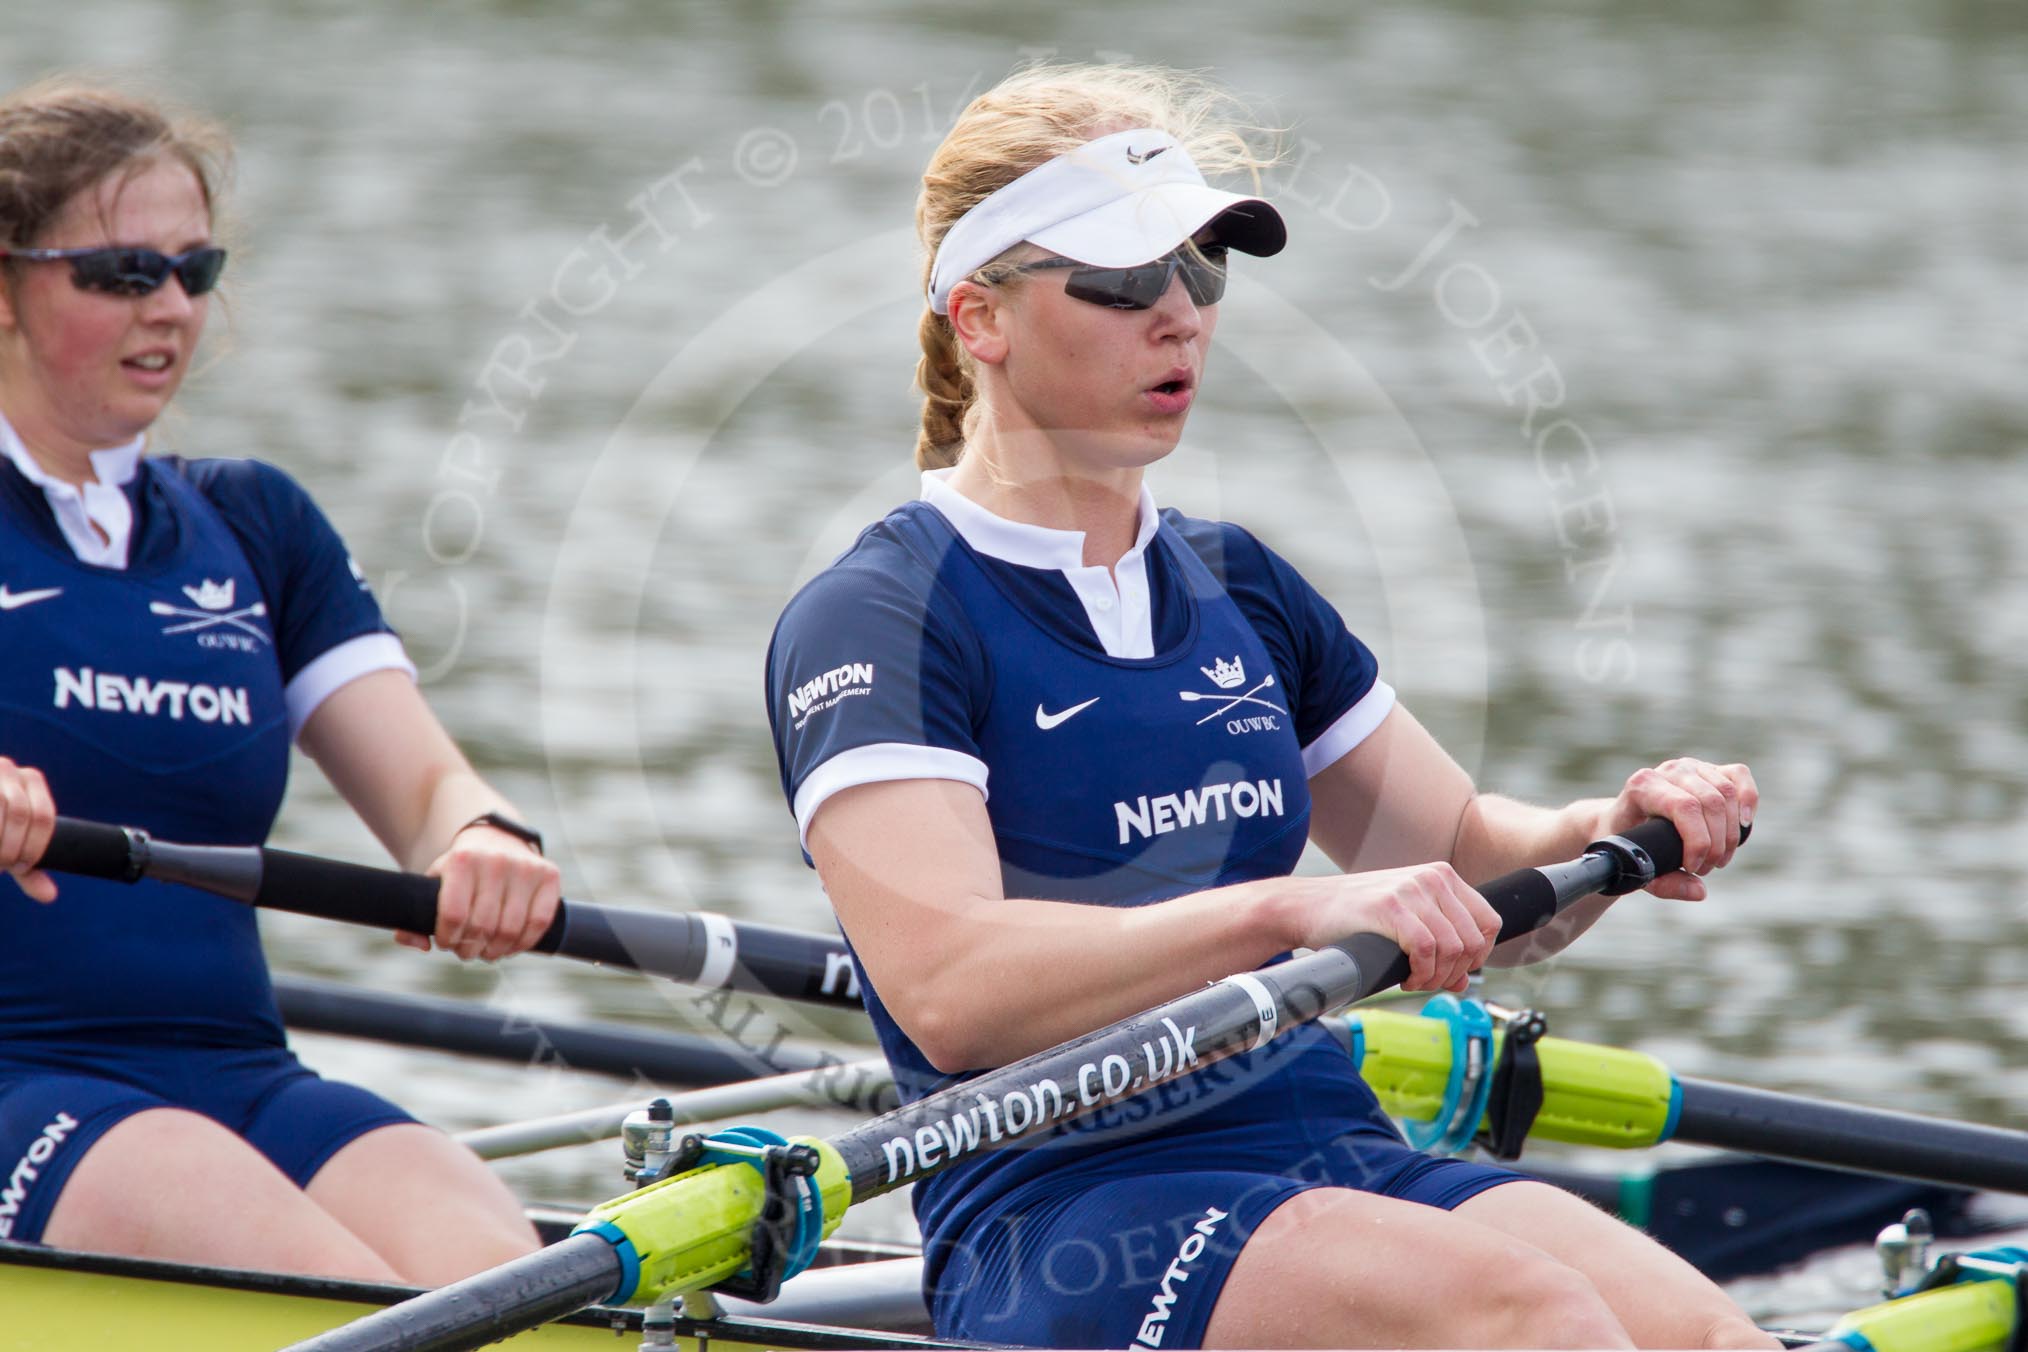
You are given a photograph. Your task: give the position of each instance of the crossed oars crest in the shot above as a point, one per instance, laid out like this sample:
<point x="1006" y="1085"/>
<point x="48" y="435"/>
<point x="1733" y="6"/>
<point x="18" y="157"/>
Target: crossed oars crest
<point x="1231" y="701"/>
<point x="215" y="602"/>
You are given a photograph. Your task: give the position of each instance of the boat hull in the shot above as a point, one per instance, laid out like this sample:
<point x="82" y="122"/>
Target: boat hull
<point x="52" y="1300"/>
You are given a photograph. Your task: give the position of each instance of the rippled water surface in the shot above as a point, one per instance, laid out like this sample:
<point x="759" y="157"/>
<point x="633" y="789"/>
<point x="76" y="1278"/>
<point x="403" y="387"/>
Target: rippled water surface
<point x="1636" y="385"/>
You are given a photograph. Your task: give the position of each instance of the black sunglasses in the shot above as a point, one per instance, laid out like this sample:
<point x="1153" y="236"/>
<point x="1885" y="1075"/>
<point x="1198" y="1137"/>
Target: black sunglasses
<point x="1139" y="287"/>
<point x="119" y="271"/>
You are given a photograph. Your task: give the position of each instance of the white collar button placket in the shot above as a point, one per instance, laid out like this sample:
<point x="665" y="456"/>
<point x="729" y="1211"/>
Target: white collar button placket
<point x="1119" y="614"/>
<point x="97" y="522"/>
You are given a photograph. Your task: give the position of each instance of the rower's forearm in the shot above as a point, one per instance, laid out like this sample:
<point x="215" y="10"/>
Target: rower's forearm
<point x="1498" y="835"/>
<point x="387" y="755"/>
<point x="1061" y="969"/>
<point x="451" y="799"/>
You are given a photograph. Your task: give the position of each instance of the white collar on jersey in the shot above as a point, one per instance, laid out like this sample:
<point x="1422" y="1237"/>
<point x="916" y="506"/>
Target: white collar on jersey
<point x="97" y="521"/>
<point x="1115" y="600"/>
<point x="1017" y="541"/>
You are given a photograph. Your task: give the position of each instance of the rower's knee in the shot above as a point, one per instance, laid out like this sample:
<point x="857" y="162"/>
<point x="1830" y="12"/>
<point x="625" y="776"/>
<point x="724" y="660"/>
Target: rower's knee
<point x="1539" y="1302"/>
<point x="453" y="1216"/>
<point x="1734" y="1330"/>
<point x="1521" y="1298"/>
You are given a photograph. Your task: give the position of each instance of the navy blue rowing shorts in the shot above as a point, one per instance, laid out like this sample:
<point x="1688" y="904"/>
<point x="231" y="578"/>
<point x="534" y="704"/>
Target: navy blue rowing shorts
<point x="1140" y="1261"/>
<point x="50" y="1118"/>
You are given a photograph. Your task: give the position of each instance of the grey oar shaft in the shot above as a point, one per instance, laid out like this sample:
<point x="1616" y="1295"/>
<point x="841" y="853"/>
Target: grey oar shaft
<point x="852" y="1085"/>
<point x="1842" y="1136"/>
<point x="634" y="1053"/>
<point x="559" y="1280"/>
<point x="1026" y="1100"/>
<point x="1101" y="1070"/>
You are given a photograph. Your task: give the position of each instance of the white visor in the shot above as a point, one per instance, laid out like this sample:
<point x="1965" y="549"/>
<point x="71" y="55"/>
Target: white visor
<point x="1116" y="202"/>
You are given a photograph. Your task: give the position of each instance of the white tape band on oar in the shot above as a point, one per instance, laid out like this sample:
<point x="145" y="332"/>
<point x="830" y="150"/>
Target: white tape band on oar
<point x="721" y="949"/>
<point x="1263" y="1006"/>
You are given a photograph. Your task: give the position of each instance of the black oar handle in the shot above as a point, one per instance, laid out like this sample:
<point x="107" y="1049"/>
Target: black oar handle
<point x="95" y="850"/>
<point x="1527" y="898"/>
<point x="1656" y="839"/>
<point x="382" y="898"/>
<point x="695" y="948"/>
<point x="280" y="879"/>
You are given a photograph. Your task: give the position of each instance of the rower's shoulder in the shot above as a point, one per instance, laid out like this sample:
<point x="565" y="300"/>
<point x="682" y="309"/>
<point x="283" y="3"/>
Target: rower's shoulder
<point x="1232" y="552"/>
<point x="1203" y="533"/>
<point x="898" y="555"/>
<point x="883" y="595"/>
<point x="239" y="485"/>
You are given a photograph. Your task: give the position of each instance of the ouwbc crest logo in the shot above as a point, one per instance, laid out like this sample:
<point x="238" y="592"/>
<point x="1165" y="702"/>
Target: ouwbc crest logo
<point x="214" y="622"/>
<point x="1225" y="675"/>
<point x="209" y="595"/>
<point x="1228" y="677"/>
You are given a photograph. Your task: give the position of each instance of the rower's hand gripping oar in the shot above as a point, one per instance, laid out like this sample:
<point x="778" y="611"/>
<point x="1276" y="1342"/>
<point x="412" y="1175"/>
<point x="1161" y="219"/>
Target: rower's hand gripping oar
<point x="1529" y="898"/>
<point x="696" y="948"/>
<point x="690" y="1232"/>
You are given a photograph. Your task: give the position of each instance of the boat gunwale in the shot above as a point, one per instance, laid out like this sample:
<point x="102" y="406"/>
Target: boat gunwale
<point x="619" y="1319"/>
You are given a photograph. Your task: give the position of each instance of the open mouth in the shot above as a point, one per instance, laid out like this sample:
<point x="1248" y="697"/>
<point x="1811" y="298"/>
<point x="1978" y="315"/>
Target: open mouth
<point x="152" y="363"/>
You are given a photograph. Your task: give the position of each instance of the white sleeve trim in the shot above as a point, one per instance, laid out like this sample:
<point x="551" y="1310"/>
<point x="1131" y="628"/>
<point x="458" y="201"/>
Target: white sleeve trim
<point x="879" y="764"/>
<point x="1352" y="728"/>
<point x="338" y="667"/>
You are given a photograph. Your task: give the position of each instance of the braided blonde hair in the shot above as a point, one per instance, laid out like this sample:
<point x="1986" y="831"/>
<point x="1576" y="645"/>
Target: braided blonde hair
<point x="1023" y="122"/>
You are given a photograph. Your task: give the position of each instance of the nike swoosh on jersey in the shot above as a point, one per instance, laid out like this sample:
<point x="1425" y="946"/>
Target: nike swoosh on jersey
<point x="1048" y="721"/>
<point x="15" y="600"/>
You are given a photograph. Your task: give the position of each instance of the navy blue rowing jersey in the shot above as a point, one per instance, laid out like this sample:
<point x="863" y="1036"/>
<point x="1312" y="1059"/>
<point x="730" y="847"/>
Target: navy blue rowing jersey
<point x="165" y="695"/>
<point x="1134" y="742"/>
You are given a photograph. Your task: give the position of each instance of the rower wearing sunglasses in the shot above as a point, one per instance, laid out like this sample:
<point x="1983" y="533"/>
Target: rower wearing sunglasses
<point x="169" y="627"/>
<point x="1055" y="751"/>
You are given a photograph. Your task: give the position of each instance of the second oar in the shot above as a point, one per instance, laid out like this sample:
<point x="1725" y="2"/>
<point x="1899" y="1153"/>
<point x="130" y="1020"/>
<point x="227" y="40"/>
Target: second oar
<point x="698" y="948"/>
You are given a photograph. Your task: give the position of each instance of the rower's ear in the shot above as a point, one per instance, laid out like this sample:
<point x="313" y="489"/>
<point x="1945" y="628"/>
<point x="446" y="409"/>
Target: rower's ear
<point x="978" y="317"/>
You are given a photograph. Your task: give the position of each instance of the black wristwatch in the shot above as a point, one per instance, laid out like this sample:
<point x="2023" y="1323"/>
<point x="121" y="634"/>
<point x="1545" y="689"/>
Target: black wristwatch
<point x="500" y="821"/>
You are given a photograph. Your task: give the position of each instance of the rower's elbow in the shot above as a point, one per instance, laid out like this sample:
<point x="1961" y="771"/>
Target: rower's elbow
<point x="951" y="1062"/>
<point x="949" y="1040"/>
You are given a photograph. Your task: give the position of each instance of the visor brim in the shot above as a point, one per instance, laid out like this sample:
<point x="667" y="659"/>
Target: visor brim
<point x="1143" y="226"/>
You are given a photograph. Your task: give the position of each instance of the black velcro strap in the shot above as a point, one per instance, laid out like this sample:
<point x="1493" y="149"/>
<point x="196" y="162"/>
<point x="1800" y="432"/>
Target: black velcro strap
<point x="1516" y="1094"/>
<point x="772" y="1240"/>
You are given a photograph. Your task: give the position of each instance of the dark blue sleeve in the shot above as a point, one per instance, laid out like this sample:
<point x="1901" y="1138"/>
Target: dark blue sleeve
<point x="318" y="596"/>
<point x="1326" y="667"/>
<point x="862" y="662"/>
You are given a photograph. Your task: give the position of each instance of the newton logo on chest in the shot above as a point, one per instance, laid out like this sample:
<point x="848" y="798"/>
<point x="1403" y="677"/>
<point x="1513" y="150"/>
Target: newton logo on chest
<point x="106" y="692"/>
<point x="1146" y="817"/>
